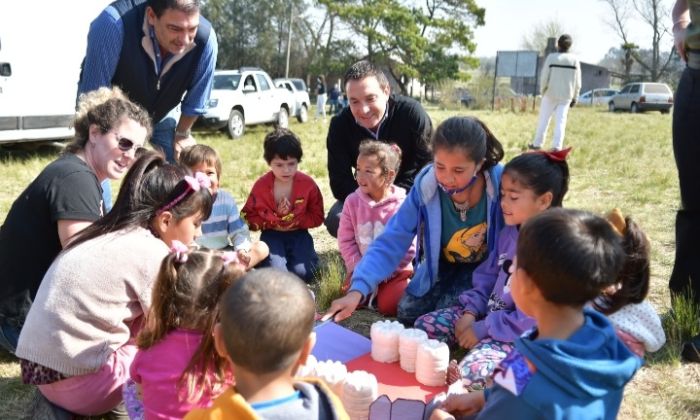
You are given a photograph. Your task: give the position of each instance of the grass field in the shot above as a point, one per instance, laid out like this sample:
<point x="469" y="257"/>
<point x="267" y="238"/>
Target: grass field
<point x="619" y="160"/>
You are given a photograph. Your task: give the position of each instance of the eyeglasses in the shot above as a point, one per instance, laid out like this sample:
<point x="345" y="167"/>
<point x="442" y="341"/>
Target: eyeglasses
<point x="125" y="144"/>
<point x="359" y="174"/>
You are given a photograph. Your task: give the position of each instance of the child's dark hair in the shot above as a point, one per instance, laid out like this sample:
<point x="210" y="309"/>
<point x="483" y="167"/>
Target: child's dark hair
<point x="283" y="144"/>
<point x="200" y="154"/>
<point x="633" y="280"/>
<point x="471" y="136"/>
<point x="150" y="184"/>
<point x="186" y="295"/>
<point x="571" y="255"/>
<point x="541" y="174"/>
<point x="266" y="317"/>
<point x="388" y="154"/>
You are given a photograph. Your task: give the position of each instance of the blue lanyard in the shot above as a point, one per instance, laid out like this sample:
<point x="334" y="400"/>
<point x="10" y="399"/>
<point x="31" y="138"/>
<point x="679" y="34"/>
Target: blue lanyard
<point x="156" y="50"/>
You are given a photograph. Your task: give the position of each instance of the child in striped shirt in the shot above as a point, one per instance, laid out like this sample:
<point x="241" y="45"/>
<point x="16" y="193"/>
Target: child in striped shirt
<point x="224" y="228"/>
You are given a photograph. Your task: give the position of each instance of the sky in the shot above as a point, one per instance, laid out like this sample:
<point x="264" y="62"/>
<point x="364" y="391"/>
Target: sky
<point x="508" y="21"/>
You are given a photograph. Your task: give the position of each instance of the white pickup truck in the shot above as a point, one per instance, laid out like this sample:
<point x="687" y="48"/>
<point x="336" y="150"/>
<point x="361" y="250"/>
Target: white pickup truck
<point x="244" y="97"/>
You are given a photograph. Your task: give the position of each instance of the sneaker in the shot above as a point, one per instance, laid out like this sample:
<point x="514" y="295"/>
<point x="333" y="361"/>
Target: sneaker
<point x="533" y="147"/>
<point x="691" y="350"/>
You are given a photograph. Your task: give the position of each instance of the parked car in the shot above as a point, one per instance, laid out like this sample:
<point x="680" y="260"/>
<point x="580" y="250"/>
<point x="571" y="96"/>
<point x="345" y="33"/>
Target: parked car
<point x="638" y="97"/>
<point x="244" y="97"/>
<point x="466" y="99"/>
<point x="600" y="96"/>
<point x="301" y="96"/>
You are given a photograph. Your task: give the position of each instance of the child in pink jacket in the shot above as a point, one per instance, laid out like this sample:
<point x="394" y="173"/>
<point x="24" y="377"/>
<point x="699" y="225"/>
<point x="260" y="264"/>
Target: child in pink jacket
<point x="365" y="214"/>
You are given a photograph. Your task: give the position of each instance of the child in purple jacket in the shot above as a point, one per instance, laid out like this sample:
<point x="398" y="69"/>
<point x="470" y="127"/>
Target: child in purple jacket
<point x="486" y="322"/>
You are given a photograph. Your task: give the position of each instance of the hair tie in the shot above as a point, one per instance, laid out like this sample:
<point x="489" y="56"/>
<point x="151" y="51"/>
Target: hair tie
<point x="617" y="221"/>
<point x="230" y="257"/>
<point x="194" y="184"/>
<point x="179" y="250"/>
<point x="555" y="155"/>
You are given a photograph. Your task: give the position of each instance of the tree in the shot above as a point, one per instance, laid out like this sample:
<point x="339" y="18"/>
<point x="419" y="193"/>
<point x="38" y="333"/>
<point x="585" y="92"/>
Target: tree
<point x="536" y="40"/>
<point x="654" y="13"/>
<point x="254" y="33"/>
<point x="407" y="36"/>
<point x="447" y="26"/>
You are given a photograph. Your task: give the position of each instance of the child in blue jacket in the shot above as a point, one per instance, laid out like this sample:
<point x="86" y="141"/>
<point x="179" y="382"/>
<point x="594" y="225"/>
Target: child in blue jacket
<point x="454" y="208"/>
<point x="572" y="366"/>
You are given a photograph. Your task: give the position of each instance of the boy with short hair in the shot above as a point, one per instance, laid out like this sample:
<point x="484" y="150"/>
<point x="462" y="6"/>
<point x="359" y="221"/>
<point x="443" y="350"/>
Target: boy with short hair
<point x="224" y="228"/>
<point x="284" y="203"/>
<point x="266" y="333"/>
<point x="572" y="366"/>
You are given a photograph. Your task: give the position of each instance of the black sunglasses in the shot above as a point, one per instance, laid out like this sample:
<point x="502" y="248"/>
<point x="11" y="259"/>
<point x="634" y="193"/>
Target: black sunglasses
<point x="125" y="144"/>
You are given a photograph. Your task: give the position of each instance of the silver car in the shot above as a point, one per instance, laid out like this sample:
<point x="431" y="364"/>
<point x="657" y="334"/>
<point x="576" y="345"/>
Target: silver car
<point x="638" y="97"/>
<point x="596" y="97"/>
<point x="298" y="88"/>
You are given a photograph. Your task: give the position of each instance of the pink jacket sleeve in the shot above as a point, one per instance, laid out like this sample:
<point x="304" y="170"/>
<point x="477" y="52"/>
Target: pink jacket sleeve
<point x="347" y="243"/>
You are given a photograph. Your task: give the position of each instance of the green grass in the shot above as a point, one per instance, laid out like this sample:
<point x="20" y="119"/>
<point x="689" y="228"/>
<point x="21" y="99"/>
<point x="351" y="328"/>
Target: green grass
<point x="619" y="160"/>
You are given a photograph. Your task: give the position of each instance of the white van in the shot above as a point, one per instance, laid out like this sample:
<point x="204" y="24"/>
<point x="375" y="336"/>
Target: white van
<point x="42" y="44"/>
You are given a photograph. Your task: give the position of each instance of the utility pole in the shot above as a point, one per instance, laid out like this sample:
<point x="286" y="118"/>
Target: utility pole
<point x="289" y="38"/>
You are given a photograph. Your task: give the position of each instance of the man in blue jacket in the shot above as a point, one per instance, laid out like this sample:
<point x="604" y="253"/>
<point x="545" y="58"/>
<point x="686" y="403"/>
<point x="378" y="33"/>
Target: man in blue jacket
<point x="156" y="51"/>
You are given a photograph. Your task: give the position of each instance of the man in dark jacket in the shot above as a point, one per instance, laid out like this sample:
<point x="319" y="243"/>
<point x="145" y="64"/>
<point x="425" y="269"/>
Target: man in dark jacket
<point x="373" y="113"/>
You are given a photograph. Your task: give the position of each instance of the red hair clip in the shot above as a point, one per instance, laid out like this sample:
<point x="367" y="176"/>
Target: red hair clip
<point x="555" y="155"/>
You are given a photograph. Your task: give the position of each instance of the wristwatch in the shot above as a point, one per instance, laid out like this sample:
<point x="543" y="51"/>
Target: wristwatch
<point x="183" y="134"/>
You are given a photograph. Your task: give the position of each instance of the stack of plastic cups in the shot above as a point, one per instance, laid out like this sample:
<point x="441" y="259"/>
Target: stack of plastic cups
<point x="409" y="340"/>
<point x="385" y="341"/>
<point x="333" y="374"/>
<point x="359" y="391"/>
<point x="307" y="369"/>
<point x="432" y="360"/>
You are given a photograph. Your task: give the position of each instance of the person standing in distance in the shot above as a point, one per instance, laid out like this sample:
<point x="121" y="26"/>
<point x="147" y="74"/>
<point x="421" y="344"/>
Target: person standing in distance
<point x="373" y="113"/>
<point x="560" y="83"/>
<point x="156" y="51"/>
<point x="685" y="277"/>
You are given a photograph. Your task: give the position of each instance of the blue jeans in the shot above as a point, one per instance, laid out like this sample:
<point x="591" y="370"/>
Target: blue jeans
<point x="163" y="136"/>
<point x="453" y="279"/>
<point x="107" y="195"/>
<point x="9" y="336"/>
<point x="291" y="251"/>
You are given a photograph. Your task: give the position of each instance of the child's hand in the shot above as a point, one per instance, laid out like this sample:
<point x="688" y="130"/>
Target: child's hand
<point x="463" y="404"/>
<point x="284" y="207"/>
<point x="244" y="258"/>
<point x="343" y="307"/>
<point x="467" y="338"/>
<point x="438" y="414"/>
<point x="284" y="227"/>
<point x="463" y="323"/>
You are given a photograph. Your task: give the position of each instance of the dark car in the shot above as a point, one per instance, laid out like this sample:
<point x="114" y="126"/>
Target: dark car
<point x="466" y="99"/>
